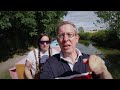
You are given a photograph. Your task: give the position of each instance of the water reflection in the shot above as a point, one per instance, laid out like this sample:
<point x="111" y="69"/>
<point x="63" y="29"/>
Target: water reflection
<point x="90" y="49"/>
<point x="111" y="61"/>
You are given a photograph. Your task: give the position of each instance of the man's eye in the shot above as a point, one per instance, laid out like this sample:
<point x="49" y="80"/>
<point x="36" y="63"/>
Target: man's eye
<point x="70" y="34"/>
<point x="61" y="35"/>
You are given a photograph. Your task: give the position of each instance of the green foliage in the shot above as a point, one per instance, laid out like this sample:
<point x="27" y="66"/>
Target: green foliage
<point x="80" y="29"/>
<point x="5" y="75"/>
<point x="19" y="29"/>
<point x="4" y="20"/>
<point x="85" y="35"/>
<point x="49" y="21"/>
<point x="99" y="37"/>
<point x="85" y="42"/>
<point x="113" y="19"/>
<point x="105" y="38"/>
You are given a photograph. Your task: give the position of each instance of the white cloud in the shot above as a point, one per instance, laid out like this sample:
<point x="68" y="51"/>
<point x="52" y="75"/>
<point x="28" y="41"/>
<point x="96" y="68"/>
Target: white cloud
<point x="83" y="19"/>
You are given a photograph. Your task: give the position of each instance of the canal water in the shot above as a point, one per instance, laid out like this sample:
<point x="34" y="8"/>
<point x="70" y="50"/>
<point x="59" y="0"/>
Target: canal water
<point x="90" y="49"/>
<point x="112" y="61"/>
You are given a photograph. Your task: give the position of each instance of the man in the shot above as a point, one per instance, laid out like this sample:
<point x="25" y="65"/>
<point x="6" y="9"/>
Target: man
<point x="70" y="61"/>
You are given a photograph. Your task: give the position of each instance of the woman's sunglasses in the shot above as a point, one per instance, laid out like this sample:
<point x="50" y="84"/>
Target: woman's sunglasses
<point x="42" y="42"/>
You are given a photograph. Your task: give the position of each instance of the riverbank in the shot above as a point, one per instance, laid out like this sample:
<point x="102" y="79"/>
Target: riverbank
<point x="112" y="57"/>
<point x="5" y="66"/>
<point x="109" y="55"/>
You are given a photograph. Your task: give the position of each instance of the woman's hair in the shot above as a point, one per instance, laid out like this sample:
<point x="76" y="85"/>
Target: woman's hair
<point x="42" y="35"/>
<point x="39" y="49"/>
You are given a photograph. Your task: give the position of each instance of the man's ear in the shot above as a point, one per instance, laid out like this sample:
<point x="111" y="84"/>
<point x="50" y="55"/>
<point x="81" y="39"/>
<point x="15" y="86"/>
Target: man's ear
<point x="77" y="38"/>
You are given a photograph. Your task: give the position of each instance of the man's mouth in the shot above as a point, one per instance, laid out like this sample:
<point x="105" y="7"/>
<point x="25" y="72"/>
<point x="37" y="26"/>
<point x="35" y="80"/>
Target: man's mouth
<point x="66" y="46"/>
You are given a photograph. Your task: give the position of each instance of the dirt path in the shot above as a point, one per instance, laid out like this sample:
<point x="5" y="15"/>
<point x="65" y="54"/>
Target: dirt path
<point x="4" y="66"/>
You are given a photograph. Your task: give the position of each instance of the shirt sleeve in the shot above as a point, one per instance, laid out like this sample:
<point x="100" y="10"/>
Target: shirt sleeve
<point x="30" y="56"/>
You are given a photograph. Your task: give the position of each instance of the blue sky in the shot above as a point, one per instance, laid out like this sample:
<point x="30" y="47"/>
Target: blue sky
<point x="84" y="19"/>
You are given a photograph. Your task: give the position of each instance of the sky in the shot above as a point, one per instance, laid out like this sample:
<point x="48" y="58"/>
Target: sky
<point x="85" y="19"/>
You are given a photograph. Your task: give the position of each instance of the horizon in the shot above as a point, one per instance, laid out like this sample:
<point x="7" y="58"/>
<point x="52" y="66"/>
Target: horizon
<point x="85" y="19"/>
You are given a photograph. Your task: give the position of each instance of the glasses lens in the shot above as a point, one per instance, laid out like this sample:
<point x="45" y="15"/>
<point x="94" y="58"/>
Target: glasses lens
<point x="42" y="42"/>
<point x="70" y="35"/>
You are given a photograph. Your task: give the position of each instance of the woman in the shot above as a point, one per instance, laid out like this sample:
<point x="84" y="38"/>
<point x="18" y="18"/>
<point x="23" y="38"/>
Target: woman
<point x="39" y="55"/>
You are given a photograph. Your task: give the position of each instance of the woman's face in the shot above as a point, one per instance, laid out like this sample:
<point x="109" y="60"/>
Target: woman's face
<point x="44" y="43"/>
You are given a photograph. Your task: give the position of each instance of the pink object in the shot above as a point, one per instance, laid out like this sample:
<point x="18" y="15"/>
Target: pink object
<point x="13" y="73"/>
<point x="12" y="70"/>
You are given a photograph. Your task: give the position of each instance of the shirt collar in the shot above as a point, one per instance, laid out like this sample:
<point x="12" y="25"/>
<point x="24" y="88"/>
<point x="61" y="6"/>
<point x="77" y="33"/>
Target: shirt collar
<point x="78" y="52"/>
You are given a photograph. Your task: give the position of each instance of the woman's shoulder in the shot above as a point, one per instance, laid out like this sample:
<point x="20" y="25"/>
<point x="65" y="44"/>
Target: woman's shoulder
<point x="32" y="50"/>
<point x="36" y="49"/>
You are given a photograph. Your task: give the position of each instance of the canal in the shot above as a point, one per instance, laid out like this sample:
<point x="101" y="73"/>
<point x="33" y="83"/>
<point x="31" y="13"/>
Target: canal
<point x="112" y="61"/>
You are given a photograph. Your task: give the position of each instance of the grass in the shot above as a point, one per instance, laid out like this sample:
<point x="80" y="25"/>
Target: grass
<point x="5" y="75"/>
<point x="109" y="51"/>
<point x="85" y="42"/>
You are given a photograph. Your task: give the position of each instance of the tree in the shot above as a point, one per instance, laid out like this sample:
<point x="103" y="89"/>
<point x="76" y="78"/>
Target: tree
<point x="113" y="19"/>
<point x="19" y="29"/>
<point x="80" y="29"/>
<point x="26" y="25"/>
<point x="47" y="21"/>
<point x="17" y="26"/>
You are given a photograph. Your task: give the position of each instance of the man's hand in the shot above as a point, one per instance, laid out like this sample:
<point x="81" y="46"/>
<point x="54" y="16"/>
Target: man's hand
<point x="96" y="65"/>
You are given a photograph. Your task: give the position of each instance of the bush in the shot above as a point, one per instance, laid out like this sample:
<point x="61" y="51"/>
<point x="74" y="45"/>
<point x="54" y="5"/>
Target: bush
<point x="85" y="35"/>
<point x="100" y="36"/>
<point x="105" y="38"/>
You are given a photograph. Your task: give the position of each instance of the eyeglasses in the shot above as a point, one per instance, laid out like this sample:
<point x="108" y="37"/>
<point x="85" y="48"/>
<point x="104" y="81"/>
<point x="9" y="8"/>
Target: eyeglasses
<point x="42" y="42"/>
<point x="70" y="35"/>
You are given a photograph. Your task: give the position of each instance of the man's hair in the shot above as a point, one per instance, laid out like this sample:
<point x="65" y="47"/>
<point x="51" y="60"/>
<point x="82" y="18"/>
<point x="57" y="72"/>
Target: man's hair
<point x="64" y="23"/>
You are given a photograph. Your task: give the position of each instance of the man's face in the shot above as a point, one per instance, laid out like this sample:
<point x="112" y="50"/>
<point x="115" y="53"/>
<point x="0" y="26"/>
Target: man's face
<point x="44" y="43"/>
<point x="67" y="38"/>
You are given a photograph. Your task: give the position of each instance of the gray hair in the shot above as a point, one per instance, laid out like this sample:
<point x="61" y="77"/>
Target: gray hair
<point x="64" y="23"/>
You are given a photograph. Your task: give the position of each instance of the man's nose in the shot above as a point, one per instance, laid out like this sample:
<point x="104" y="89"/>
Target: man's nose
<point x="65" y="38"/>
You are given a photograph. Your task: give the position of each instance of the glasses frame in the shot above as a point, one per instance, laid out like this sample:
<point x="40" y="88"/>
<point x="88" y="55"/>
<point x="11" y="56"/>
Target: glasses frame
<point x="69" y="34"/>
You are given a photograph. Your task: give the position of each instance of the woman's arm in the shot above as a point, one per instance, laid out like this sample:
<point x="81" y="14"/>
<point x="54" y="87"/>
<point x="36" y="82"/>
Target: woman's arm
<point x="28" y="66"/>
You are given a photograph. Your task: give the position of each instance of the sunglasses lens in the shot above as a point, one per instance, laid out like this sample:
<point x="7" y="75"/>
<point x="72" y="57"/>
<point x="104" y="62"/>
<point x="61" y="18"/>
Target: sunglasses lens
<point x="42" y="42"/>
<point x="47" y="42"/>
